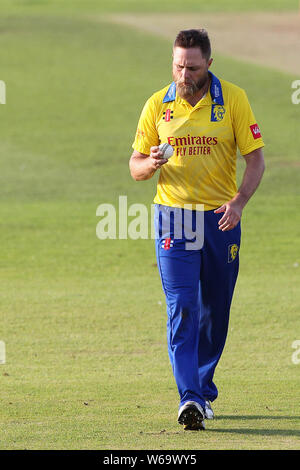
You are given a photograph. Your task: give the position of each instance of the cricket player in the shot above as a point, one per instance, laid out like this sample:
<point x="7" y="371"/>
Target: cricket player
<point x="206" y="120"/>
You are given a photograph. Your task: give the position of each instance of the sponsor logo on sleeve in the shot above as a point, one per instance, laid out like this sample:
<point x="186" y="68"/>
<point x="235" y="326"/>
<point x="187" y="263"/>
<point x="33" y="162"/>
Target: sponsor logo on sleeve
<point x="255" y="131"/>
<point x="140" y="134"/>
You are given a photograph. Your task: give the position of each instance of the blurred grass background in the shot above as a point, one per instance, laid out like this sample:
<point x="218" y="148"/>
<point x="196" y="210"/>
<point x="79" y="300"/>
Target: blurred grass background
<point x="149" y="5"/>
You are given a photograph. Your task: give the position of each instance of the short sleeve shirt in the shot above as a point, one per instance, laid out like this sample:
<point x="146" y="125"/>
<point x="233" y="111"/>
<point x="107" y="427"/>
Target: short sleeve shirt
<point x="205" y="139"/>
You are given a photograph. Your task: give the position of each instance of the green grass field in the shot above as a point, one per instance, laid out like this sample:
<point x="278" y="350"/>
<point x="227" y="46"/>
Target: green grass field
<point x="84" y="320"/>
<point x="82" y="6"/>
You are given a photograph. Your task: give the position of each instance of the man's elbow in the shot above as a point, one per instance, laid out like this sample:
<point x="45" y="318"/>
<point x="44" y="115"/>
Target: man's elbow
<point x="136" y="177"/>
<point x="256" y="161"/>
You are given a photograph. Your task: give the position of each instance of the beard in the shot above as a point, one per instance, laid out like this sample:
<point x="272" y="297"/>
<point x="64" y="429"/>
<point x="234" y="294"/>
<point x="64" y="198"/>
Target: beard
<point x="186" y="90"/>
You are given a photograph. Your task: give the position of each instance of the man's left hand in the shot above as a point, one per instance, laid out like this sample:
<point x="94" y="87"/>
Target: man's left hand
<point x="232" y="215"/>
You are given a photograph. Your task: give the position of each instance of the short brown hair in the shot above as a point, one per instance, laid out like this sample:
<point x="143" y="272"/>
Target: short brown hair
<point x="194" y="38"/>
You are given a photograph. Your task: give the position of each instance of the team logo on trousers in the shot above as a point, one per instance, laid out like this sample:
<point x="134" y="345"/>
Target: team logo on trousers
<point x="167" y="243"/>
<point x="217" y="112"/>
<point x="232" y="252"/>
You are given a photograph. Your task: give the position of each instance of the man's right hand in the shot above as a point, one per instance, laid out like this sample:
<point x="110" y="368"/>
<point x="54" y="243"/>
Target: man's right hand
<point x="156" y="158"/>
<point x="143" y="166"/>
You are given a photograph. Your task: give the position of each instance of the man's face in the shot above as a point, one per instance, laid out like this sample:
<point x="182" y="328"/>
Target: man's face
<point x="190" y="70"/>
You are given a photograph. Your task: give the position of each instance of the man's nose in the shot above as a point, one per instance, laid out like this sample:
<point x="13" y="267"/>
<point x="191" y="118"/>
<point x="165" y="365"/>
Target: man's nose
<point x="185" y="73"/>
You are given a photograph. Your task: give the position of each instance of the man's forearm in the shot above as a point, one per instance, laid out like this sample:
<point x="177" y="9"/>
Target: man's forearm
<point x="140" y="169"/>
<point x="233" y="209"/>
<point x="252" y="177"/>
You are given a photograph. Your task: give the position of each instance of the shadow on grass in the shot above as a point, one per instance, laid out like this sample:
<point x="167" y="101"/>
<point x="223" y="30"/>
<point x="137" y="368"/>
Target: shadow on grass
<point x="256" y="431"/>
<point x="255" y="417"/>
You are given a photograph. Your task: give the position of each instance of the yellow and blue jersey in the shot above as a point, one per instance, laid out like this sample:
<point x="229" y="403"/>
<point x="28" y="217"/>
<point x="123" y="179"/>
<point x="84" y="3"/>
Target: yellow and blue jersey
<point x="205" y="138"/>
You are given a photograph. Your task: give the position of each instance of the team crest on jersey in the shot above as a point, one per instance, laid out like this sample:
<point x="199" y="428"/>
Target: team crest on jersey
<point x="167" y="243"/>
<point x="217" y="112"/>
<point x="232" y="252"/>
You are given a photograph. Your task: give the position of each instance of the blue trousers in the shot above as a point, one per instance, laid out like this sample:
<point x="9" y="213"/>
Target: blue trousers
<point x="198" y="285"/>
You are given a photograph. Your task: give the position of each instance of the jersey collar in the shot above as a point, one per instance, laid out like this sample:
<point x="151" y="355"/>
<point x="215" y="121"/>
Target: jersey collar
<point x="215" y="91"/>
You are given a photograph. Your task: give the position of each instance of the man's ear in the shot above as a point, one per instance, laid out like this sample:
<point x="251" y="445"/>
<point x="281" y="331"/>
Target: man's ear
<point x="210" y="62"/>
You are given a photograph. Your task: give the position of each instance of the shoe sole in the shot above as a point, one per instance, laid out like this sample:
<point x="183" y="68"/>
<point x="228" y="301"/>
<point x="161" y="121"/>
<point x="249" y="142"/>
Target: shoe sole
<point x="198" y="427"/>
<point x="192" y="419"/>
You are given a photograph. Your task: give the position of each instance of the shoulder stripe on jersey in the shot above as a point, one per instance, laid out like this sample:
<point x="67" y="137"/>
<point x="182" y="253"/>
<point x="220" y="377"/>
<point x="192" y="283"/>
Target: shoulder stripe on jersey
<point x="171" y="93"/>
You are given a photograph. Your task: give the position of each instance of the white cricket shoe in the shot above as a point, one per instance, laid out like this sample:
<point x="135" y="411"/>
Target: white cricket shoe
<point x="209" y="414"/>
<point x="191" y="415"/>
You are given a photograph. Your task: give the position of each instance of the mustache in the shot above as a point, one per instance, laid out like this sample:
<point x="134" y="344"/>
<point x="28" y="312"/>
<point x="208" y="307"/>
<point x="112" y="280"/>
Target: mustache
<point x="187" y="88"/>
<point x="190" y="87"/>
<point x="186" y="82"/>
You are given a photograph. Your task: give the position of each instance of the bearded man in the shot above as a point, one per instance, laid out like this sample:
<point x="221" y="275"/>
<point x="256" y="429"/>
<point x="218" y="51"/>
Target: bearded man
<point x="205" y="119"/>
